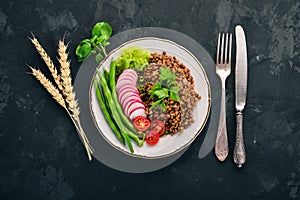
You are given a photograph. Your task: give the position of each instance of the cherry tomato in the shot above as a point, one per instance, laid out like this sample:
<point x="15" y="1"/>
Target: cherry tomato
<point x="158" y="126"/>
<point x="152" y="137"/>
<point x="141" y="123"/>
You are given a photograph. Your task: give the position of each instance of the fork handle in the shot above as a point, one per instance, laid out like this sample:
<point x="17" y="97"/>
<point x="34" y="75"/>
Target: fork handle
<point x="221" y="147"/>
<point x="239" y="154"/>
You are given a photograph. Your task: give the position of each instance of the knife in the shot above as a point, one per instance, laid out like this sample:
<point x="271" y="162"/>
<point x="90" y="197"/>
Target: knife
<point x="239" y="154"/>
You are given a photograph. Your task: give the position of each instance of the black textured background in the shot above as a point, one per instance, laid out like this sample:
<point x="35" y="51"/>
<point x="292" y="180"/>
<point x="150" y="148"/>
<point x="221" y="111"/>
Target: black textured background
<point x="41" y="156"/>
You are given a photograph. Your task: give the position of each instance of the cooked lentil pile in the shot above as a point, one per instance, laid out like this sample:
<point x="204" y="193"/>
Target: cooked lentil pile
<point x="178" y="115"/>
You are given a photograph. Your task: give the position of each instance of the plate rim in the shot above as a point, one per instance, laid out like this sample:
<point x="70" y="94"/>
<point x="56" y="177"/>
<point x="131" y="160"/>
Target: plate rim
<point x="181" y="147"/>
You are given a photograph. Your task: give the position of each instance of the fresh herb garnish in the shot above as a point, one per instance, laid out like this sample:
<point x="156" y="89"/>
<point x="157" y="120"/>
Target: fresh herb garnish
<point x="165" y="88"/>
<point x="101" y="32"/>
<point x="167" y="77"/>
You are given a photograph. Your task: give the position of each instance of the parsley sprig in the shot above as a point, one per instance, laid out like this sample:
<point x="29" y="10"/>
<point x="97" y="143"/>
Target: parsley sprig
<point x="164" y="89"/>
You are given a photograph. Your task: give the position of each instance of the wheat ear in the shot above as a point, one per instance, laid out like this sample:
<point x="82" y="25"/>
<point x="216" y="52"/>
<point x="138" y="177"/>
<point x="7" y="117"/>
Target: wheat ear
<point x="49" y="86"/>
<point x="59" y="99"/>
<point x="67" y="80"/>
<point x="69" y="93"/>
<point x="48" y="62"/>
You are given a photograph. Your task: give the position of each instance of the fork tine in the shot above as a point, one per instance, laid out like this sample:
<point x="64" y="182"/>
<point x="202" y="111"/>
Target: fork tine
<point x="230" y="44"/>
<point x="222" y="48"/>
<point x="226" y="47"/>
<point x="218" y="49"/>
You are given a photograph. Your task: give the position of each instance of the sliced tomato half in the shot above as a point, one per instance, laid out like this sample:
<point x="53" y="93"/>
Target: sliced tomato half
<point x="141" y="123"/>
<point x="152" y="137"/>
<point x="158" y="126"/>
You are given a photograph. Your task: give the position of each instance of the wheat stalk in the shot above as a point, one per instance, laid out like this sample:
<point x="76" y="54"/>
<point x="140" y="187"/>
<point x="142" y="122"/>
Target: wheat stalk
<point x="69" y="93"/>
<point x="48" y="62"/>
<point x="64" y="84"/>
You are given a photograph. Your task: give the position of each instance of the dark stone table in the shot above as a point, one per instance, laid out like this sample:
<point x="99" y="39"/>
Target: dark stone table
<point x="42" y="156"/>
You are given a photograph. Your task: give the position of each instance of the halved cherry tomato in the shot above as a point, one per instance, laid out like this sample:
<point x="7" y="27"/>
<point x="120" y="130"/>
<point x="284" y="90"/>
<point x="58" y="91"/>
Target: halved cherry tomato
<point x="141" y="123"/>
<point x="152" y="137"/>
<point x="158" y="126"/>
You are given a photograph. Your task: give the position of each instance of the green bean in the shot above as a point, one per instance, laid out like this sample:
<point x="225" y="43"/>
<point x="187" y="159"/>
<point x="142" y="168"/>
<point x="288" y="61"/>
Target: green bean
<point x="114" y="111"/>
<point x="112" y="84"/>
<point x="135" y="137"/>
<point x="106" y="113"/>
<point x="106" y="75"/>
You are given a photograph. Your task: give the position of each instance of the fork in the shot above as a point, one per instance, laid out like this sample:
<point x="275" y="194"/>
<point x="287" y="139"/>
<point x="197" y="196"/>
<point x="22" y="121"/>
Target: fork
<point x="223" y="69"/>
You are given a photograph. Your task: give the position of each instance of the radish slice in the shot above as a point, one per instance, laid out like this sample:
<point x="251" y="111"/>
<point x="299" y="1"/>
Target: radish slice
<point x="129" y="103"/>
<point x="138" y="108"/>
<point x="133" y="76"/>
<point x="134" y="98"/>
<point x="125" y="76"/>
<point x="126" y="87"/>
<point x="119" y="85"/>
<point x="124" y="82"/>
<point x="122" y="91"/>
<point x="128" y="75"/>
<point x="136" y="113"/>
<point x="127" y="90"/>
<point x="133" y="106"/>
<point x="131" y="71"/>
<point x="128" y="95"/>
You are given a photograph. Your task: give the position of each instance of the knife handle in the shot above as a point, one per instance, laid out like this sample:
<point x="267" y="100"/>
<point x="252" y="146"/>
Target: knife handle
<point x="221" y="147"/>
<point x="239" y="154"/>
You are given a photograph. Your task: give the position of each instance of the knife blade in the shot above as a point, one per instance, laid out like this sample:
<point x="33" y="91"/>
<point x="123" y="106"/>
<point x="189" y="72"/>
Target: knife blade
<point x="241" y="73"/>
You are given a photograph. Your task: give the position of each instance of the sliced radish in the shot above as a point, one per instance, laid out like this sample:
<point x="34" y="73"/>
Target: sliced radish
<point x="127" y="79"/>
<point x="127" y="90"/>
<point x="134" y="98"/>
<point x="127" y="76"/>
<point x="125" y="87"/>
<point x="136" y="113"/>
<point x="138" y="108"/>
<point x="128" y="95"/>
<point x="131" y="71"/>
<point x="132" y="76"/>
<point x="121" y="94"/>
<point x="126" y="73"/>
<point x="124" y="82"/>
<point x="133" y="106"/>
<point x="127" y="102"/>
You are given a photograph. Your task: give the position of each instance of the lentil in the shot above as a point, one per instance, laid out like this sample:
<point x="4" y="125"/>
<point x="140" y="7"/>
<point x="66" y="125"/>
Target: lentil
<point x="178" y="115"/>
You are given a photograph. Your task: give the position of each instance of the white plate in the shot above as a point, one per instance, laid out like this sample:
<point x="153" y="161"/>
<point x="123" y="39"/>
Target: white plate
<point x="167" y="145"/>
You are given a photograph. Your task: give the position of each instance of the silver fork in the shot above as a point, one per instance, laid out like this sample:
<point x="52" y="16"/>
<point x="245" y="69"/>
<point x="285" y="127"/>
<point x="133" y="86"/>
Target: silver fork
<point x="223" y="69"/>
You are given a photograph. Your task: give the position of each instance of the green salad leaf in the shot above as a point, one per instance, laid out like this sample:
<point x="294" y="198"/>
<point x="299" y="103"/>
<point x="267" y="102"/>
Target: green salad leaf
<point x="132" y="57"/>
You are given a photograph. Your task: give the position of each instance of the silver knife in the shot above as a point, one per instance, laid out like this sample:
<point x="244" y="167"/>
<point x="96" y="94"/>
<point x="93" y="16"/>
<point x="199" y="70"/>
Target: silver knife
<point x="239" y="154"/>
